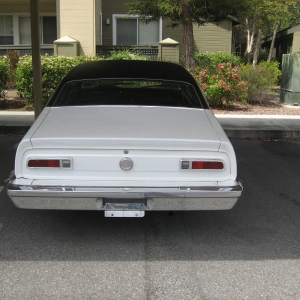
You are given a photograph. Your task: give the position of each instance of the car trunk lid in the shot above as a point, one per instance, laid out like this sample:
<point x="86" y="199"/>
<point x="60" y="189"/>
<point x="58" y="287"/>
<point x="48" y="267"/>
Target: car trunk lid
<point x="126" y="127"/>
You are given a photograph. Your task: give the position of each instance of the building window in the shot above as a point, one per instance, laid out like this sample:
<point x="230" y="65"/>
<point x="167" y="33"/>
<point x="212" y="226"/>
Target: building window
<point x="48" y="30"/>
<point x="6" y="30"/>
<point x="129" y="31"/>
<point x="25" y="30"/>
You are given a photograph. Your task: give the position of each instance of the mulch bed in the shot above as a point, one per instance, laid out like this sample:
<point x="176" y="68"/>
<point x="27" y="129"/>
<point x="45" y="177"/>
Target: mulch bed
<point x="12" y="105"/>
<point x="267" y="107"/>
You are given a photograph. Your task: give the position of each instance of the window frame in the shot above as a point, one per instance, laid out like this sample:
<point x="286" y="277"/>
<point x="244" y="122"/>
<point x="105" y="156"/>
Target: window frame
<point x="120" y="16"/>
<point x="127" y="92"/>
<point x="11" y="36"/>
<point x="42" y="28"/>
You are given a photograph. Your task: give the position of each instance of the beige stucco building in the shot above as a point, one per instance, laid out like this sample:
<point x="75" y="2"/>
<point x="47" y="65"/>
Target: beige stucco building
<point x="96" y="23"/>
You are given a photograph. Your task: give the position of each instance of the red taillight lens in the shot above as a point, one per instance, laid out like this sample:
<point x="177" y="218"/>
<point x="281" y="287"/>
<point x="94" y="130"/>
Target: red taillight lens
<point x="207" y="165"/>
<point x="44" y="163"/>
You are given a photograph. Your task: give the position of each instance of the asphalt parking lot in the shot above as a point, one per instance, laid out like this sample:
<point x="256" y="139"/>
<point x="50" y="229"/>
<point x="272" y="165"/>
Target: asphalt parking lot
<point x="249" y="252"/>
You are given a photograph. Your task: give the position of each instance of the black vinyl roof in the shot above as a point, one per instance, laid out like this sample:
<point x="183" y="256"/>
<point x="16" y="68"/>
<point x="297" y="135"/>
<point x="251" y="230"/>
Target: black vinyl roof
<point x="134" y="69"/>
<point x="129" y="69"/>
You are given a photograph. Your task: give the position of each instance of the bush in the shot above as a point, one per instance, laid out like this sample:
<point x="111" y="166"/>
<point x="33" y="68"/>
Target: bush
<point x="127" y="55"/>
<point x="4" y="69"/>
<point x="53" y="69"/>
<point x="223" y="87"/>
<point x="211" y="60"/>
<point x="260" y="79"/>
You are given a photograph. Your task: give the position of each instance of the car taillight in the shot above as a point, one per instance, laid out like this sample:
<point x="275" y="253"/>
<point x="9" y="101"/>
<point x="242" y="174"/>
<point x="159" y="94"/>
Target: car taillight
<point x="49" y="163"/>
<point x="202" y="165"/>
<point x="44" y="163"/>
<point x="207" y="165"/>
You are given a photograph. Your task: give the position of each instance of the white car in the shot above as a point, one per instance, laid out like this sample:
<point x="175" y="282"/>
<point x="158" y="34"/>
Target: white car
<point x="126" y="137"/>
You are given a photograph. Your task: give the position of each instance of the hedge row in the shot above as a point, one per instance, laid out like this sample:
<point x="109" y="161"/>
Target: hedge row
<point x="223" y="76"/>
<point x="53" y="69"/>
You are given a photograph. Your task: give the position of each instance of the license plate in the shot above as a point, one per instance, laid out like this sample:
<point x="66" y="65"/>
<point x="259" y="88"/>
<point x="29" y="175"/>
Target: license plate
<point x="124" y="208"/>
<point x="124" y="214"/>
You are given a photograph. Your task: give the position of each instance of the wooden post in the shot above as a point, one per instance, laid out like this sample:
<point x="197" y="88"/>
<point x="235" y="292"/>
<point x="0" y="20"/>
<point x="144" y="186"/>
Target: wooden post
<point x="36" y="56"/>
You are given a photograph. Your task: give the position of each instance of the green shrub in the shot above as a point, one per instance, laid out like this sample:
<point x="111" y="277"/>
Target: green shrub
<point x="222" y="87"/>
<point x="260" y="79"/>
<point x="127" y="55"/>
<point x="53" y="69"/>
<point x="211" y="60"/>
<point x="4" y="69"/>
<point x="24" y="81"/>
<point x="28" y="107"/>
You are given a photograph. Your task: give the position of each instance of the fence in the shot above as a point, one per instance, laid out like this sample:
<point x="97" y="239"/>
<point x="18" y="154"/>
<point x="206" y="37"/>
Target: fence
<point x="150" y="51"/>
<point x="26" y="50"/>
<point x="105" y="51"/>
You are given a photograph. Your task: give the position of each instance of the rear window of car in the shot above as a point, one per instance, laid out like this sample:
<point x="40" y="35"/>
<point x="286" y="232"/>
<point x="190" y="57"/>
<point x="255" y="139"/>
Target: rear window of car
<point x="128" y="92"/>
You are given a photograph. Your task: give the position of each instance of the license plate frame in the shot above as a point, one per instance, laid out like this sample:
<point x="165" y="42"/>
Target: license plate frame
<point x="124" y="207"/>
<point x="125" y="204"/>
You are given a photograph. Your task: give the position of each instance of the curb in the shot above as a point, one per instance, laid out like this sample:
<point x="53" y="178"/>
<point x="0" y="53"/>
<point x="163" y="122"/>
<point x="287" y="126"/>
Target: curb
<point x="235" y="126"/>
<point x="231" y="133"/>
<point x="262" y="134"/>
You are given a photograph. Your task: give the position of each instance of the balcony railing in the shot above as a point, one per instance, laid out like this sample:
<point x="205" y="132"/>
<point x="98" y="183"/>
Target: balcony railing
<point x="150" y="51"/>
<point x="105" y="51"/>
<point x="26" y="49"/>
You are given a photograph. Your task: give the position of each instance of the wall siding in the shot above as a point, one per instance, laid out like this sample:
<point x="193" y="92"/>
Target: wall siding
<point x="80" y="19"/>
<point x="213" y="38"/>
<point x="97" y="20"/>
<point x="9" y="6"/>
<point x="108" y="9"/>
<point x="175" y="34"/>
<point x="77" y="20"/>
<point x="208" y="38"/>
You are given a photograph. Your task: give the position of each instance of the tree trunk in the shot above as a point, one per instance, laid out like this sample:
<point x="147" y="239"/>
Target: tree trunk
<point x="273" y="42"/>
<point x="250" y="38"/>
<point x="257" y="48"/>
<point x="188" y="37"/>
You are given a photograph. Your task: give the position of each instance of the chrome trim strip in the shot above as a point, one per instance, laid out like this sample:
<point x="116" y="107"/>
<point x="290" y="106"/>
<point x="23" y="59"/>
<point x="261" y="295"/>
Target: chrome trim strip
<point x="181" y="198"/>
<point x="128" y="192"/>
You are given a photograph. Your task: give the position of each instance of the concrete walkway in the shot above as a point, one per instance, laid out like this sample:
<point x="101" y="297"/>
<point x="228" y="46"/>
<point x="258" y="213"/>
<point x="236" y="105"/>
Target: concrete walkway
<point x="236" y="126"/>
<point x="260" y="126"/>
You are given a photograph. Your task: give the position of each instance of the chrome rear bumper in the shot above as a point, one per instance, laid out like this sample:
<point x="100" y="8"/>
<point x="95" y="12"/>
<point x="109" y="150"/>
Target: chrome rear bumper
<point x="125" y="199"/>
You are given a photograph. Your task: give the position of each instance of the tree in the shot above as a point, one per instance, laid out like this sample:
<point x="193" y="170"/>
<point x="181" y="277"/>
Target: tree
<point x="273" y="42"/>
<point x="186" y="13"/>
<point x="253" y="21"/>
<point x="284" y="14"/>
<point x="262" y="18"/>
